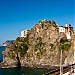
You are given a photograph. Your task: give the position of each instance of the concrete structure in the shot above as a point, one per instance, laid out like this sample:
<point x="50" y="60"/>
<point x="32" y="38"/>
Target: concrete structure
<point x="23" y="33"/>
<point x="66" y="30"/>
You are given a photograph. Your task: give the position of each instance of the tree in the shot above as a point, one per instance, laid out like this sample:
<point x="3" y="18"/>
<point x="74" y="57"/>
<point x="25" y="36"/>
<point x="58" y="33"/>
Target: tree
<point x="53" y="22"/>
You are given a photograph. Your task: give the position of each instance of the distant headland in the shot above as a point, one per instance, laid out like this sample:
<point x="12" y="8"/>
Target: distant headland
<point x="6" y="43"/>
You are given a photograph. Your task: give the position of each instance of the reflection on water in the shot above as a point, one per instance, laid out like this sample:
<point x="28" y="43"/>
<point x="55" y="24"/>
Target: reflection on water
<point x="23" y="71"/>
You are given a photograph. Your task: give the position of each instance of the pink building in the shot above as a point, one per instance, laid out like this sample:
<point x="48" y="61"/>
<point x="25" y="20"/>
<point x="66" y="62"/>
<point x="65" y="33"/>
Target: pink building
<point x="67" y="30"/>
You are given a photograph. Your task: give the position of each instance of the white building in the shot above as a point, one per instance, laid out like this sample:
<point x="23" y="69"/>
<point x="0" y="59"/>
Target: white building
<point x="24" y="33"/>
<point x="68" y="34"/>
<point x="61" y="29"/>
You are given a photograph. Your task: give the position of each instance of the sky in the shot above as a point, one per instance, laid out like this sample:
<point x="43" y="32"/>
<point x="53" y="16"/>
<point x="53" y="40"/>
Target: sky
<point x="18" y="15"/>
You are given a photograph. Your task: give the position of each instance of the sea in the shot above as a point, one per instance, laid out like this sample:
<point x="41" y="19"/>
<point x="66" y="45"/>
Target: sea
<point x="22" y="70"/>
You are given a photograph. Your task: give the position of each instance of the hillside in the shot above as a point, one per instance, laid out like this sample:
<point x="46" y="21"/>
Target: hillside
<point x="41" y="45"/>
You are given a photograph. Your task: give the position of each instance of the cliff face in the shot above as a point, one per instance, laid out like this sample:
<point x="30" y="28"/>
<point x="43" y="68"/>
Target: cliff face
<point x="41" y="46"/>
<point x="71" y="54"/>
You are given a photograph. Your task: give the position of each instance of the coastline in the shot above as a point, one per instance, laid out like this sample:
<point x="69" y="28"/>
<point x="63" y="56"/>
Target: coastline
<point x="3" y="65"/>
<point x="3" y="45"/>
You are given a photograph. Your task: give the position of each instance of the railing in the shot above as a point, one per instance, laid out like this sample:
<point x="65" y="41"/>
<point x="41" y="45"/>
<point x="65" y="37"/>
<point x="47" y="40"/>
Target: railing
<point x="65" y="70"/>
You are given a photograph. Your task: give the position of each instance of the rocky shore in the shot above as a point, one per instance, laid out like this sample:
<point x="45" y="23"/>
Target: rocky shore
<point x="3" y="65"/>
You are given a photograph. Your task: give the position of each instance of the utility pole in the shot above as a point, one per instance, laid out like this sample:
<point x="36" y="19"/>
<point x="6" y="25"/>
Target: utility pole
<point x="74" y="51"/>
<point x="61" y="72"/>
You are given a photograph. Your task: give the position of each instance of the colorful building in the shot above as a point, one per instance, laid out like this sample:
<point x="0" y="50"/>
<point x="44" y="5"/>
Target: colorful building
<point x="66" y="30"/>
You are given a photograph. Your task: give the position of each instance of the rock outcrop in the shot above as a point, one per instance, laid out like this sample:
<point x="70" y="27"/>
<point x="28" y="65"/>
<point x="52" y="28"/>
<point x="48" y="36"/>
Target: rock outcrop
<point x="70" y="59"/>
<point x="41" y="46"/>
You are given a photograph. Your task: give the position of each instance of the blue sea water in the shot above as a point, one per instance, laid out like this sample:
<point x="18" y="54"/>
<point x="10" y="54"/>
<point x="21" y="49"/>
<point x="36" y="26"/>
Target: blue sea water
<point x="2" y="48"/>
<point x="22" y="70"/>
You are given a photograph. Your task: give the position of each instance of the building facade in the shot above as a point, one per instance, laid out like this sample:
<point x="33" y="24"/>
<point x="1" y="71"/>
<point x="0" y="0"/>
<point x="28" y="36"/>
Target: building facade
<point x="24" y="33"/>
<point x="66" y="30"/>
<point x="61" y="29"/>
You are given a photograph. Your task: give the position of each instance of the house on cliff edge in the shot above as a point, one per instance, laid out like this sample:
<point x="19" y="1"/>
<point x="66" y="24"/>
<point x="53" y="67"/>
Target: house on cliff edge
<point x="62" y="29"/>
<point x="66" y="30"/>
<point x="24" y="33"/>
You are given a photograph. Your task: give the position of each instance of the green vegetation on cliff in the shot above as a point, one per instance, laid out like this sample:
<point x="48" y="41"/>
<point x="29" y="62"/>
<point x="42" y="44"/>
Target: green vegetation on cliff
<point x="64" y="44"/>
<point x="39" y="47"/>
<point x="42" y="45"/>
<point x="21" y="45"/>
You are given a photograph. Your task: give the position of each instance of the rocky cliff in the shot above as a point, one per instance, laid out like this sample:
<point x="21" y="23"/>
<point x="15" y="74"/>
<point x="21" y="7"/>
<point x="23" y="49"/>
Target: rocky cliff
<point x="41" y="46"/>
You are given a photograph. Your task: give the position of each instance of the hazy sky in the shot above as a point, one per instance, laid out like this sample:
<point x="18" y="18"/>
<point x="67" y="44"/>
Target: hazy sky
<point x="17" y="15"/>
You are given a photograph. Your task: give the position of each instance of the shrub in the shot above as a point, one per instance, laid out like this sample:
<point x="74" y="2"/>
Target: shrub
<point x="53" y="22"/>
<point x="39" y="47"/>
<point x="64" y="47"/>
<point x="64" y="44"/>
<point x="23" y="49"/>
